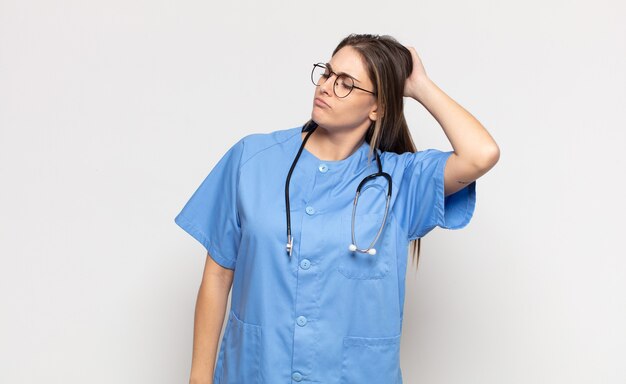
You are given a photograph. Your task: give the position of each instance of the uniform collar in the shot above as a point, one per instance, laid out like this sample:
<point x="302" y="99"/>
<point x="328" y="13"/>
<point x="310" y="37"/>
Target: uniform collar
<point x="354" y="163"/>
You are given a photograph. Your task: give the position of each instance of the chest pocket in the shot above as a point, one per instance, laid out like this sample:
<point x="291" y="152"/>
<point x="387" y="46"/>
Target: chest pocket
<point x="357" y="265"/>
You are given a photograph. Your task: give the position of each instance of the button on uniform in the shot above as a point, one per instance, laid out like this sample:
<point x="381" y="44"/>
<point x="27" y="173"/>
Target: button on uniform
<point x="305" y="264"/>
<point x="323" y="168"/>
<point x="297" y="376"/>
<point x="310" y="210"/>
<point x="301" y="320"/>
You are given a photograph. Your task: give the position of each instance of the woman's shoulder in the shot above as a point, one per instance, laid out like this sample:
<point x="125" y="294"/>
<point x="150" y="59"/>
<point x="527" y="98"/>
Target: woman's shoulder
<point x="409" y="157"/>
<point x="260" y="142"/>
<point x="271" y="137"/>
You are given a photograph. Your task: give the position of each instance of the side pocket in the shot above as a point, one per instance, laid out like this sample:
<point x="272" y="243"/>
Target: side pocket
<point x="241" y="353"/>
<point x="371" y="360"/>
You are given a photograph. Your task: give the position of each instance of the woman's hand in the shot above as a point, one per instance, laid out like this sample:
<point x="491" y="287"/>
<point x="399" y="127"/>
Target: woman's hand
<point x="416" y="78"/>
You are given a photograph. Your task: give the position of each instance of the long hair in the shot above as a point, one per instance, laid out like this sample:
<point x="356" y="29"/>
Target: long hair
<point x="388" y="64"/>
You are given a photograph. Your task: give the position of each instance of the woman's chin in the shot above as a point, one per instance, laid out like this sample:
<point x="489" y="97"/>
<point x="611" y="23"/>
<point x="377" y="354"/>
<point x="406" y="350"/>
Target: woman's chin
<point x="315" y="116"/>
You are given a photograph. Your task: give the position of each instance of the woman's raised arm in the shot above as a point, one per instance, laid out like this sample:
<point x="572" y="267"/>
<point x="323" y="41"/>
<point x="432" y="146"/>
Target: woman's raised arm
<point x="475" y="151"/>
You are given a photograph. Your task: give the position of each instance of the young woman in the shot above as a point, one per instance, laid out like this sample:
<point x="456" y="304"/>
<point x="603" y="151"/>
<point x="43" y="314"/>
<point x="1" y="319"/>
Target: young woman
<point x="317" y="269"/>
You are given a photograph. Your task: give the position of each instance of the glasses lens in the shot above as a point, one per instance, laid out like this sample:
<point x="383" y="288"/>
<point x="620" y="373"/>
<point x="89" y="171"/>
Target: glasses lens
<point x="343" y="86"/>
<point x="319" y="74"/>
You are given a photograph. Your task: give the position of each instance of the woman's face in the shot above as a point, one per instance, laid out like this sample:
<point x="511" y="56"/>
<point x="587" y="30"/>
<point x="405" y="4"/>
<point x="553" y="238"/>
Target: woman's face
<point x="358" y="109"/>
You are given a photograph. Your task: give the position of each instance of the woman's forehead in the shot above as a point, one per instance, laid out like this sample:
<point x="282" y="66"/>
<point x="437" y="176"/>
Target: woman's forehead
<point x="348" y="60"/>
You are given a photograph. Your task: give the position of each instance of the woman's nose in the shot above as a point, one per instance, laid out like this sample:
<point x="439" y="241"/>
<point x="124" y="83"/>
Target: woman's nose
<point x="327" y="86"/>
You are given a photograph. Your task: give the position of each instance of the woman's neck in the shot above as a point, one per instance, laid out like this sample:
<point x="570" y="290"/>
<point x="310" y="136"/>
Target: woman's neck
<point x="332" y="146"/>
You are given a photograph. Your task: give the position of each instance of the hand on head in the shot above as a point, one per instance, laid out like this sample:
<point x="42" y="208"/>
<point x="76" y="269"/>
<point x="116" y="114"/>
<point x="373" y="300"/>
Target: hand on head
<point x="416" y="77"/>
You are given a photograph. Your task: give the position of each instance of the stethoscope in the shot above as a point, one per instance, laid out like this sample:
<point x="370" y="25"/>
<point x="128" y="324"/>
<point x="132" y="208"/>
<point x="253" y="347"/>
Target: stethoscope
<point x="310" y="127"/>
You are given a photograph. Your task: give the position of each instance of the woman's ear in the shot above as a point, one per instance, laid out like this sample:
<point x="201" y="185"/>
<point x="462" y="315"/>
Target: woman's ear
<point x="376" y="113"/>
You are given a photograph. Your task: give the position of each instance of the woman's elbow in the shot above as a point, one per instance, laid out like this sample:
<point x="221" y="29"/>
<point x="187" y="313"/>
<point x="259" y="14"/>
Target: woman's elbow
<point x="489" y="158"/>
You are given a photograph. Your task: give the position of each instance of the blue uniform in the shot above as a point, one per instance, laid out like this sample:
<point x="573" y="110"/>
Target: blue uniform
<point x="325" y="315"/>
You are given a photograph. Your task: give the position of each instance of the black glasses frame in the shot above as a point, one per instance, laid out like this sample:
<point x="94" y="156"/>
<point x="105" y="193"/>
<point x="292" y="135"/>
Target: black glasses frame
<point x="331" y="73"/>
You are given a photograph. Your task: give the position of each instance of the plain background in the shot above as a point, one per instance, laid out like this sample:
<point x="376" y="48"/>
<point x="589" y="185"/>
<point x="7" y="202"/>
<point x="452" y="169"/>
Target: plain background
<point x="113" y="112"/>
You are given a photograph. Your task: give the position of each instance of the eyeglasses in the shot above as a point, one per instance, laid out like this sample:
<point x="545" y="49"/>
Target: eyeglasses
<point x="343" y="83"/>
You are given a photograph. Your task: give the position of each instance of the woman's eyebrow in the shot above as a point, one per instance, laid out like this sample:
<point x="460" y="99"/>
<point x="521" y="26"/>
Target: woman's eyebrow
<point x="341" y="73"/>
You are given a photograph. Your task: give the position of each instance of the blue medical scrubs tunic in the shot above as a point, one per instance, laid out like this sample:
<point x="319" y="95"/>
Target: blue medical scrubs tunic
<point x="325" y="314"/>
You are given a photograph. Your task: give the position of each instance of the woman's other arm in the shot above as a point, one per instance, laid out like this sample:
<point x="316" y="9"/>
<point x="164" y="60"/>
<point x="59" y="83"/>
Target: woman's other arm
<point x="475" y="151"/>
<point x="209" y="319"/>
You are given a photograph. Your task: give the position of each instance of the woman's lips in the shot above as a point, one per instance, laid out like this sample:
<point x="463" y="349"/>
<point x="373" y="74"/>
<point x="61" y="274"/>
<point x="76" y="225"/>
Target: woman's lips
<point x="321" y="103"/>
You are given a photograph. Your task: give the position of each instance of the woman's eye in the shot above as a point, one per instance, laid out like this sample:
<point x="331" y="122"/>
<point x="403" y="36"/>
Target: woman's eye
<point x="344" y="84"/>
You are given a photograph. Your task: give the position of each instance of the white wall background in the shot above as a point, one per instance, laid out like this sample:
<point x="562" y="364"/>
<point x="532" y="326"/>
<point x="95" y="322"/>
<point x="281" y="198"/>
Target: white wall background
<point x="112" y="112"/>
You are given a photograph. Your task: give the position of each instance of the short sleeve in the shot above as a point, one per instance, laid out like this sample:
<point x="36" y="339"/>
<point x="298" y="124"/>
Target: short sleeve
<point x="427" y="205"/>
<point x="211" y="214"/>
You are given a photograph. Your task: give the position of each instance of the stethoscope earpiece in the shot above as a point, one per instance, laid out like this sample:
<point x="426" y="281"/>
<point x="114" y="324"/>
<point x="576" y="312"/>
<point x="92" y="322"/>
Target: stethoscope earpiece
<point x="353" y="248"/>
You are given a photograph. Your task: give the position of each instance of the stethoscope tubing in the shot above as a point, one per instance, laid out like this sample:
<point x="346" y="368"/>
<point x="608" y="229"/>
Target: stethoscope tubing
<point x="293" y="165"/>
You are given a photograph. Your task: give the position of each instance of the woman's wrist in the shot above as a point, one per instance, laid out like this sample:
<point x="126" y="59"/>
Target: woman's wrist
<point x="197" y="381"/>
<point x="420" y="89"/>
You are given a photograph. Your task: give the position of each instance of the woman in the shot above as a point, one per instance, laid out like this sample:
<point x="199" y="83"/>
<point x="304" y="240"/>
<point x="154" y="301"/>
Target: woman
<point x="317" y="282"/>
